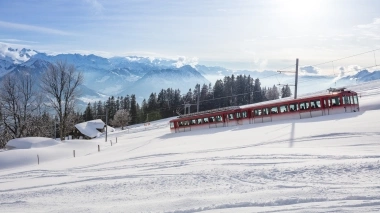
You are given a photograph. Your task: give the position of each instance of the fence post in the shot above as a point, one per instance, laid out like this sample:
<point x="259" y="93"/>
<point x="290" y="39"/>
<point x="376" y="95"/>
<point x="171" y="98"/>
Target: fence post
<point x="38" y="160"/>
<point x="74" y="153"/>
<point x="111" y="142"/>
<point x="116" y="139"/>
<point x="98" y="148"/>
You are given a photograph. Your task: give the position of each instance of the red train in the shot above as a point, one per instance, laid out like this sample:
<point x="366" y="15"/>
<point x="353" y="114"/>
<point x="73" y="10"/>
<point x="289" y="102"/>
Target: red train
<point x="332" y="102"/>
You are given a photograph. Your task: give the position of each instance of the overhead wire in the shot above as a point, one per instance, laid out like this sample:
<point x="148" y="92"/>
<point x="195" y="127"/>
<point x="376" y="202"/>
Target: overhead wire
<point x="333" y="65"/>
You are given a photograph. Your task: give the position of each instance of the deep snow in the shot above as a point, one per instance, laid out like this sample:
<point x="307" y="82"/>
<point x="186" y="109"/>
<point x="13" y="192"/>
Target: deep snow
<point x="323" y="164"/>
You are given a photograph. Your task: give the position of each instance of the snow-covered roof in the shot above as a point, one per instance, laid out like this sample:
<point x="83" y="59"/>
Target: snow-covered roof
<point x="31" y="142"/>
<point x="90" y="128"/>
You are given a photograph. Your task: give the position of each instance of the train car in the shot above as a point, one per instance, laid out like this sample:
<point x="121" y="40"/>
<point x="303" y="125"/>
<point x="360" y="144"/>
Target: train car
<point x="334" y="101"/>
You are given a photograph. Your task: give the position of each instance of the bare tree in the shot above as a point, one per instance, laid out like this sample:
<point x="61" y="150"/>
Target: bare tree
<point x="61" y="84"/>
<point x="18" y="102"/>
<point x="121" y="118"/>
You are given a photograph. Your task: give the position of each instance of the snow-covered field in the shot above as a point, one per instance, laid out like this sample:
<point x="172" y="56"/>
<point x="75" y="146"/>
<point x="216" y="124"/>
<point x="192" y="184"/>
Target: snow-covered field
<point x="324" y="164"/>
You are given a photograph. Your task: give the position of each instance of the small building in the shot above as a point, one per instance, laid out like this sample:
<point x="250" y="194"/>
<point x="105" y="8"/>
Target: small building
<point x="90" y="129"/>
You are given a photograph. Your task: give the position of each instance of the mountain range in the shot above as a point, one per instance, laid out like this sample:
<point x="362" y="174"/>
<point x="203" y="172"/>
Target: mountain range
<point x="119" y="76"/>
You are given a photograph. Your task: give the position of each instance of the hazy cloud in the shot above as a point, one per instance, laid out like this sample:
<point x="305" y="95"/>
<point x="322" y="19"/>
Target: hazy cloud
<point x="349" y="70"/>
<point x="371" y="30"/>
<point x="98" y="8"/>
<point x="310" y="70"/>
<point x="11" y="40"/>
<point x="182" y="61"/>
<point x="26" y="27"/>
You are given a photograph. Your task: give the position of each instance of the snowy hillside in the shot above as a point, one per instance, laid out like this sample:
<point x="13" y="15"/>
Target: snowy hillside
<point x="323" y="164"/>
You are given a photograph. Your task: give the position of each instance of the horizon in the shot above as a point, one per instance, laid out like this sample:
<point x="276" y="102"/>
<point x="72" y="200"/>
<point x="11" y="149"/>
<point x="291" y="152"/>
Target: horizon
<point x="238" y="35"/>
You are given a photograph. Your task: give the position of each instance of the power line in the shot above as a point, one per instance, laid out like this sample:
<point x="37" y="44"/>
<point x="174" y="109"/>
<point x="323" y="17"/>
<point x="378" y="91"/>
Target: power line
<point x="345" y="72"/>
<point x="344" y="57"/>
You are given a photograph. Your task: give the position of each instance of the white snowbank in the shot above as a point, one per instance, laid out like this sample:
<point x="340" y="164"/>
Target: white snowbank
<point x="31" y="142"/>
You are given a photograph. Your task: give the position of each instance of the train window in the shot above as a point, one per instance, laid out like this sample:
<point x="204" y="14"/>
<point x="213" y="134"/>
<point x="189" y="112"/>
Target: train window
<point x="230" y="116"/>
<point x="346" y="100"/>
<point x="257" y="112"/>
<point x="193" y="122"/>
<point x="183" y="123"/>
<point x="171" y="125"/>
<point x="199" y="120"/>
<point x="315" y="104"/>
<point x="274" y="110"/>
<point x="265" y="111"/>
<point x="293" y="107"/>
<point x="327" y="103"/>
<point x="219" y="118"/>
<point x="238" y="115"/>
<point x="212" y="119"/>
<point x="205" y="120"/>
<point x="304" y="105"/>
<point x="244" y="114"/>
<point x="351" y="100"/>
<point x="355" y="99"/>
<point x="335" y="101"/>
<point x="283" y="108"/>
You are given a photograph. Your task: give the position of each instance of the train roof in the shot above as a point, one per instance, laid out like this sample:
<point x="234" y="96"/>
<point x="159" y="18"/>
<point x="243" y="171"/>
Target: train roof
<point x="210" y="111"/>
<point x="329" y="91"/>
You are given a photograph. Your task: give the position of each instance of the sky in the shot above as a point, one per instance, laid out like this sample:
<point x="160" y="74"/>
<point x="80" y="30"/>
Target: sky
<point x="236" y="34"/>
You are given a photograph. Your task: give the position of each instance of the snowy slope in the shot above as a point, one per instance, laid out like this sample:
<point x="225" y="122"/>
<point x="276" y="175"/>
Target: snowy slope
<point x="324" y="164"/>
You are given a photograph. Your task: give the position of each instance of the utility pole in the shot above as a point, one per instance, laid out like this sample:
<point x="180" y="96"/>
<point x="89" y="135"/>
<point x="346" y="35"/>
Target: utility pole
<point x="296" y="83"/>
<point x="106" y="122"/>
<point x="55" y="127"/>
<point x="296" y="79"/>
<point x="199" y="94"/>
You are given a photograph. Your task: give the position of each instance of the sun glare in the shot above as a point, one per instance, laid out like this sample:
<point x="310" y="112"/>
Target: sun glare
<point x="300" y="8"/>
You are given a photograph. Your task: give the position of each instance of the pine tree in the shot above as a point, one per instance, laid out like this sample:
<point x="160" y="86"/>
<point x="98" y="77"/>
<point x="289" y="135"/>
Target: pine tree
<point x="100" y="110"/>
<point x="88" y="116"/>
<point x="285" y="91"/>
<point x="257" y="94"/>
<point x="133" y="110"/>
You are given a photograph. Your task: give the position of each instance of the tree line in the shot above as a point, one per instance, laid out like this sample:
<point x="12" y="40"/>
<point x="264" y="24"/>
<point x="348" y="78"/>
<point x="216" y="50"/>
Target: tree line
<point x="231" y="91"/>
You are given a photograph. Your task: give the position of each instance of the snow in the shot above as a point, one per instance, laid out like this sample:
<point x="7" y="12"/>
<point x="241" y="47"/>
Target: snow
<point x="323" y="164"/>
<point x="16" y="56"/>
<point x="31" y="142"/>
<point x="90" y="128"/>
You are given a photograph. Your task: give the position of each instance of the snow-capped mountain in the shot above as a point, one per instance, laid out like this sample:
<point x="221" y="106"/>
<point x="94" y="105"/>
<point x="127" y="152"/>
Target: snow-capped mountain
<point x="10" y="57"/>
<point x="110" y="76"/>
<point x="15" y="55"/>
<point x="365" y="76"/>
<point x="143" y="75"/>
<point x="183" y="78"/>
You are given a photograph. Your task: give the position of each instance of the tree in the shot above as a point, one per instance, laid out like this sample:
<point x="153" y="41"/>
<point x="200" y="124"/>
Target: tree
<point x="61" y="84"/>
<point x="285" y="91"/>
<point x="121" y="118"/>
<point x="18" y="101"/>
<point x="88" y="113"/>
<point x="133" y="109"/>
<point x="272" y="93"/>
<point x="257" y="93"/>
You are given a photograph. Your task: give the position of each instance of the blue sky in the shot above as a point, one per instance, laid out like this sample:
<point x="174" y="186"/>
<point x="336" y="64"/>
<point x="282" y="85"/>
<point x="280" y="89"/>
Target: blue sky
<point x="237" y="34"/>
